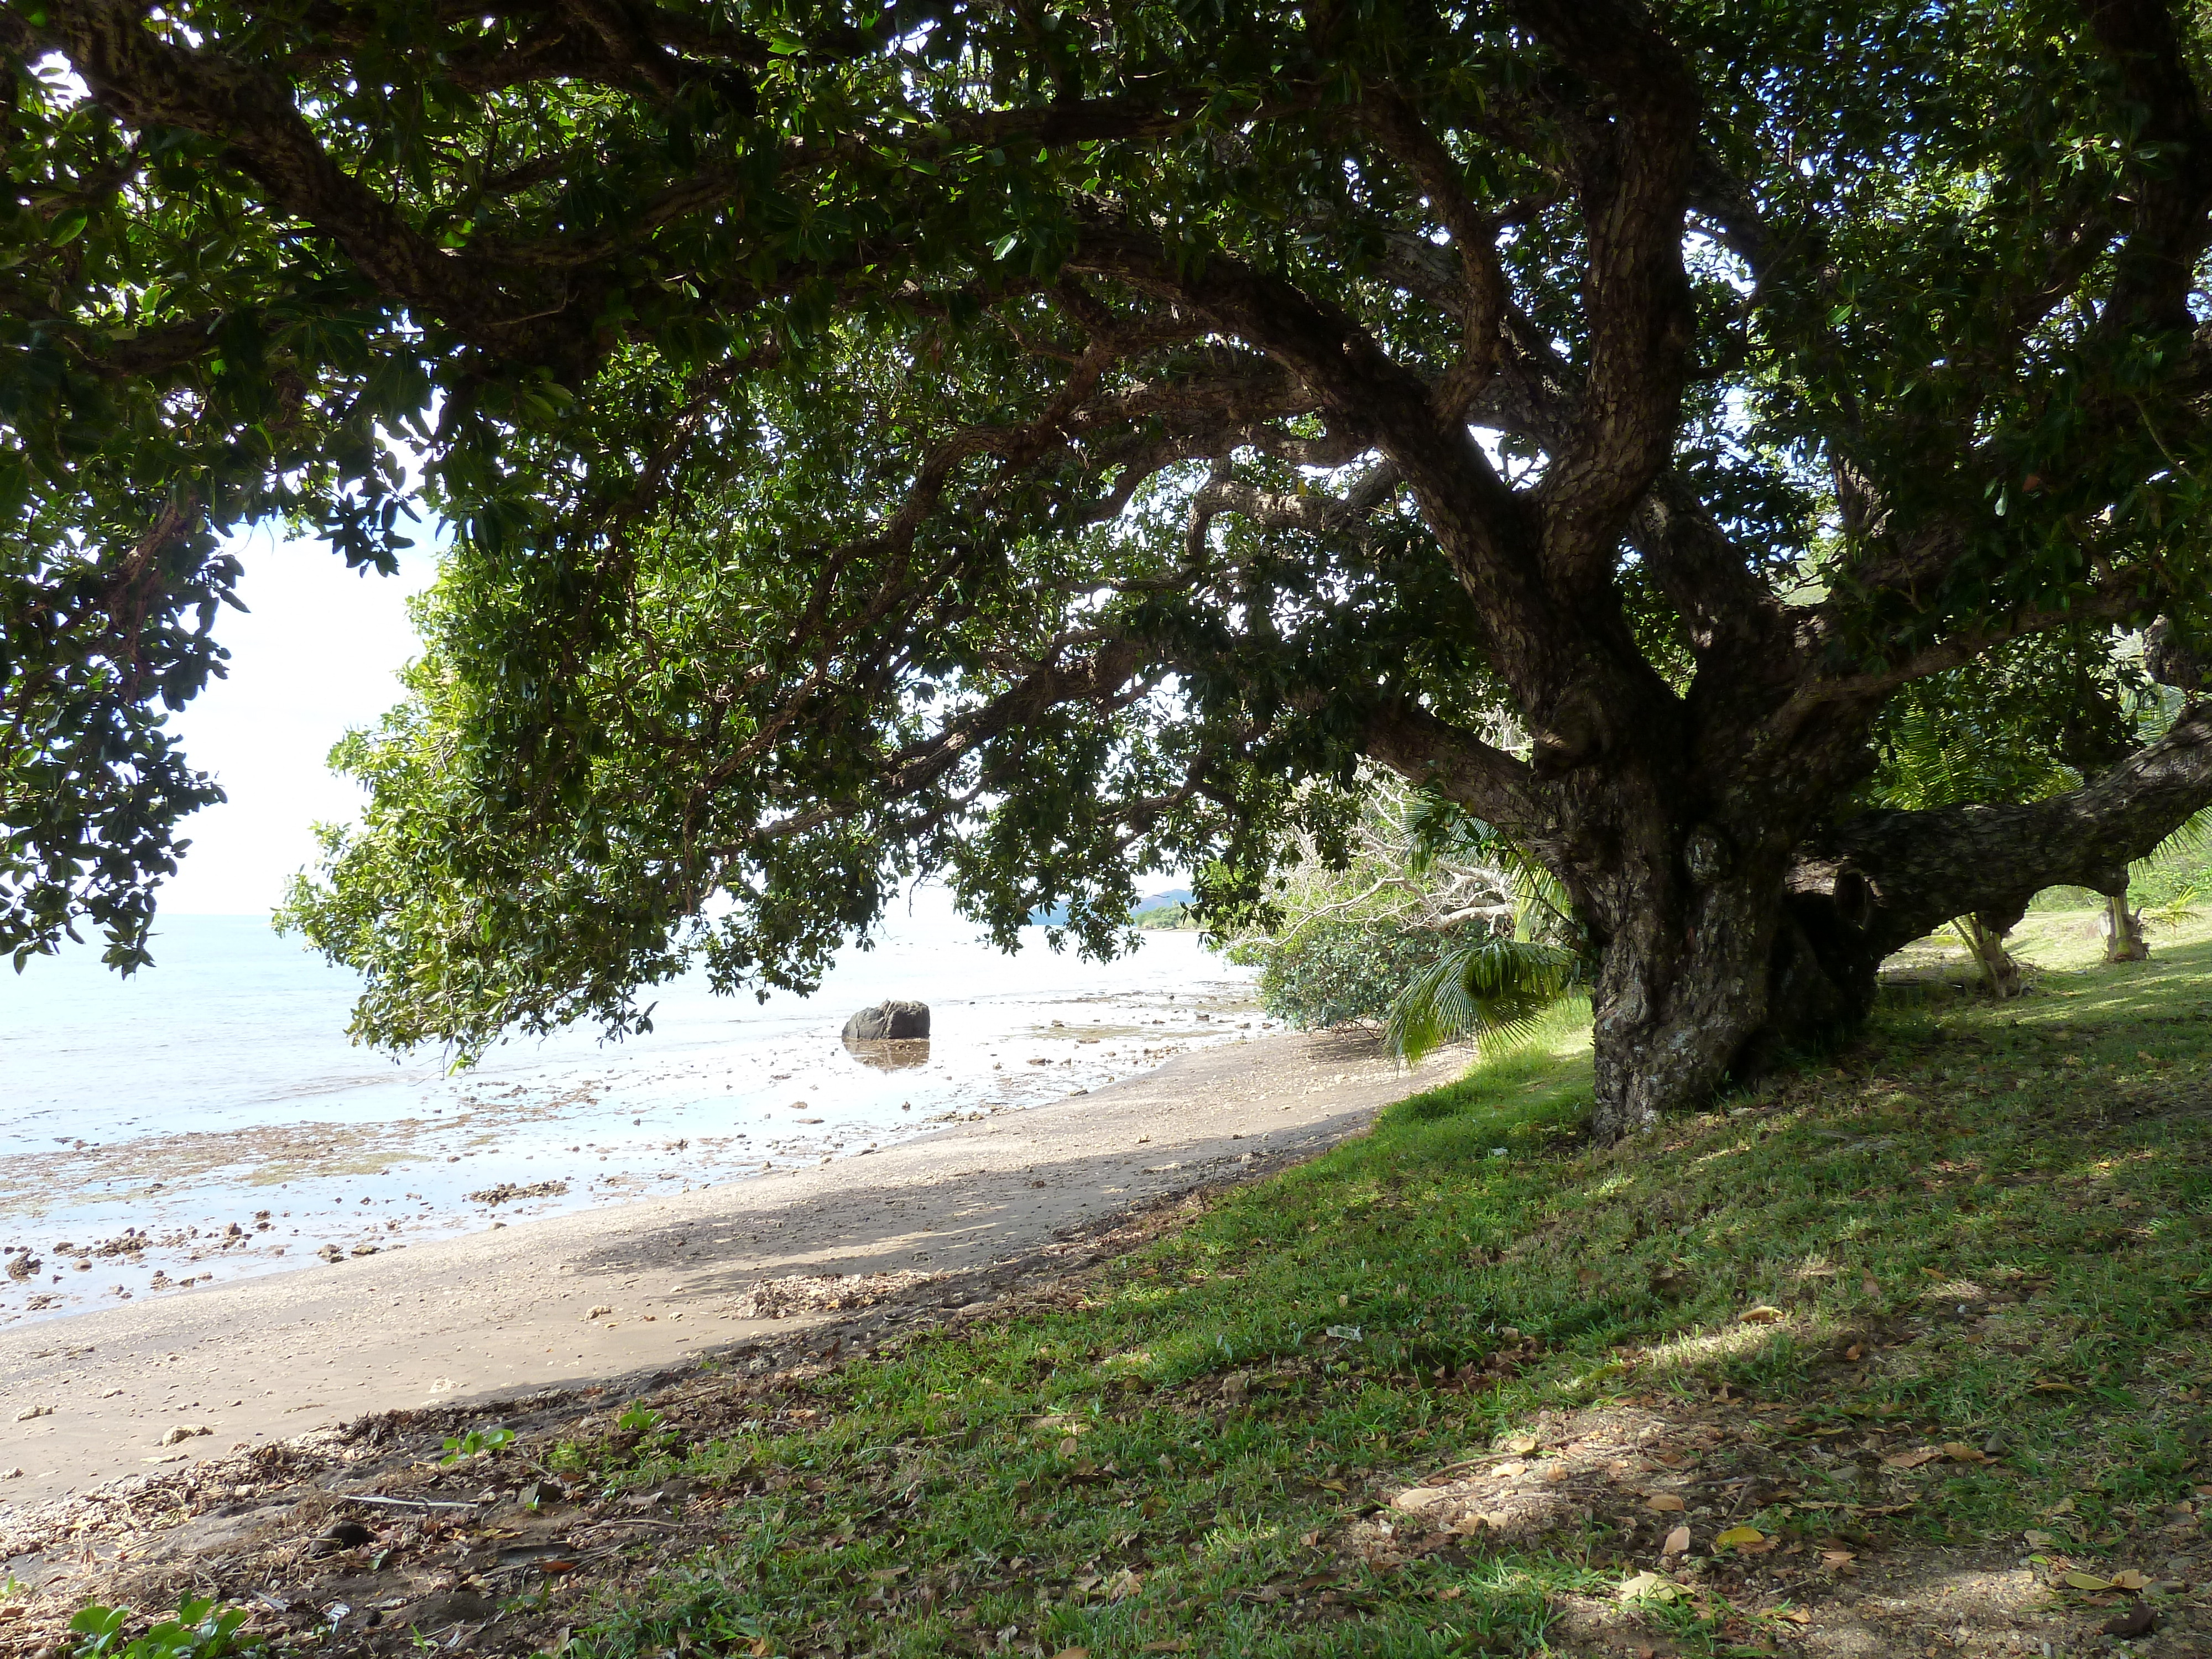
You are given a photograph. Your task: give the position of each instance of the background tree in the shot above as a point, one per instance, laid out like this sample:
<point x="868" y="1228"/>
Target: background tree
<point x="1027" y="443"/>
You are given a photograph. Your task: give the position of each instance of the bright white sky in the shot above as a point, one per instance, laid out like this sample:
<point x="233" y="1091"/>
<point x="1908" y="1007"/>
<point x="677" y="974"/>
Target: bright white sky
<point x="315" y="655"/>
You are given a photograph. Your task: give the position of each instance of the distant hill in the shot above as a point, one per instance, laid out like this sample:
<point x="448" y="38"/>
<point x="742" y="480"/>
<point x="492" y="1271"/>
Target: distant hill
<point x="1173" y="899"/>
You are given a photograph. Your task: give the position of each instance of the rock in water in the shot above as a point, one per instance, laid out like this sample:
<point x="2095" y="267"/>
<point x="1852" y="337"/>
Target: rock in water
<point x="898" y="1020"/>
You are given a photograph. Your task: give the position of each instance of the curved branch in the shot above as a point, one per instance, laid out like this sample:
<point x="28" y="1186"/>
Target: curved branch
<point x="1634" y="189"/>
<point x="1482" y="778"/>
<point x="151" y="82"/>
<point x="1883" y="880"/>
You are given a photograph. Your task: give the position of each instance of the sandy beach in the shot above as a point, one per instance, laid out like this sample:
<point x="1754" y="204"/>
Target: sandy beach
<point x="237" y="1130"/>
<point x="598" y="1295"/>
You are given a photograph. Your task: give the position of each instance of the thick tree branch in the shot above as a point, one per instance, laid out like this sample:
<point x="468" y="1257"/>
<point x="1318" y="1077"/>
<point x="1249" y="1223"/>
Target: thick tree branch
<point x="1479" y="776"/>
<point x="1737" y="627"/>
<point x="1885" y="878"/>
<point x="1317" y="513"/>
<point x="150" y="81"/>
<point x="1474" y="233"/>
<point x="1633" y="191"/>
<point x="2120" y="595"/>
<point x="1476" y="517"/>
<point x="2171" y="215"/>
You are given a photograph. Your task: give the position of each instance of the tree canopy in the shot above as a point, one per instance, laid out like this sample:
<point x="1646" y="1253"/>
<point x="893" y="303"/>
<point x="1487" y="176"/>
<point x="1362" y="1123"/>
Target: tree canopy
<point x="1039" y="444"/>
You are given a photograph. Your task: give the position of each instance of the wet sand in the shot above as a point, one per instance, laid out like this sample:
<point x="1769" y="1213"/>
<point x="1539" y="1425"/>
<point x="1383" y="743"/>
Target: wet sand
<point x="602" y="1293"/>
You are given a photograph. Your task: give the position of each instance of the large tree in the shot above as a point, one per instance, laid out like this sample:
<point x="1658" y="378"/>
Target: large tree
<point x="1038" y="442"/>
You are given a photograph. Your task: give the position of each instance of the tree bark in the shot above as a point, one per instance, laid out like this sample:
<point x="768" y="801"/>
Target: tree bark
<point x="1682" y="992"/>
<point x="1723" y="951"/>
<point x="1858" y="890"/>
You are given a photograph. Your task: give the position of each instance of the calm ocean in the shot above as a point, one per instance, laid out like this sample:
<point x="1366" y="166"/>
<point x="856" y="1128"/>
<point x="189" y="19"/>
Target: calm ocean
<point x="147" y="1118"/>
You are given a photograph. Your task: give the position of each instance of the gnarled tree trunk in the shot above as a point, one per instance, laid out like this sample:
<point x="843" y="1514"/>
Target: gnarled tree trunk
<point x="1682" y="990"/>
<point x="1720" y="953"/>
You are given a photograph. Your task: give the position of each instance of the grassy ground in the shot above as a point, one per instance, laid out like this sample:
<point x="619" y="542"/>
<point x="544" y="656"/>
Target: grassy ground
<point x="1909" y="1344"/>
<point x="1983" y="1228"/>
<point x="2183" y="871"/>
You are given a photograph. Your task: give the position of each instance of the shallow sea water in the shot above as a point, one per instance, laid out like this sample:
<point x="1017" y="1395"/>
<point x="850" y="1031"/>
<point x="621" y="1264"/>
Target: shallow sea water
<point x="208" y="1119"/>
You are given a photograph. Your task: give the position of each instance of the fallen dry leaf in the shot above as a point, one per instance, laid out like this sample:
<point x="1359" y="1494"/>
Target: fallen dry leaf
<point x="1761" y="1315"/>
<point x="1736" y="1537"/>
<point x="1069" y="1446"/>
<point x="1855" y="1351"/>
<point x="1834" y="1559"/>
<point x="1520" y="1446"/>
<point x="1663" y="1500"/>
<point x="1649" y="1586"/>
<point x="1959" y="1452"/>
<point x="1678" y="1543"/>
<point x="2130" y="1580"/>
<point x="1914" y="1459"/>
<point x="1072" y="1653"/>
<point x="1795" y="1615"/>
<point x="2086" y="1581"/>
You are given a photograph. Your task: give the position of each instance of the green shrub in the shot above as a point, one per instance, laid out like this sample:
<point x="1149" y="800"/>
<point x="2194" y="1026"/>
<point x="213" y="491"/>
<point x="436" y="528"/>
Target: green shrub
<point x="201" y="1630"/>
<point x="1336" y="969"/>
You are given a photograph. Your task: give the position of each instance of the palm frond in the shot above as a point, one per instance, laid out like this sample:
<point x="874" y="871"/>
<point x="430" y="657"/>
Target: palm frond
<point x="2177" y="910"/>
<point x="1488" y="987"/>
<point x="2194" y="833"/>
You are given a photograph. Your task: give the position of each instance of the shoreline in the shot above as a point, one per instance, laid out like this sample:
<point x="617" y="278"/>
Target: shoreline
<point x="572" y="1300"/>
<point x="92" y="1223"/>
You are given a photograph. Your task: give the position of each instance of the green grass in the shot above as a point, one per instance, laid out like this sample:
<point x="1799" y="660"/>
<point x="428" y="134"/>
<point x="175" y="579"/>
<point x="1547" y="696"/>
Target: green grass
<point x="1182" y="1452"/>
<point x="2181" y="869"/>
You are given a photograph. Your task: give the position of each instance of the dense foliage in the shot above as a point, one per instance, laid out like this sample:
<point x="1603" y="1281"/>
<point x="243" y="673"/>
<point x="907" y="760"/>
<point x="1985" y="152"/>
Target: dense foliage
<point x="1339" y="970"/>
<point x="1430" y="923"/>
<point x="1030" y="445"/>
